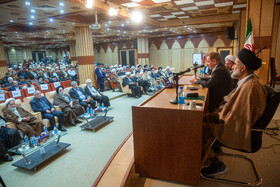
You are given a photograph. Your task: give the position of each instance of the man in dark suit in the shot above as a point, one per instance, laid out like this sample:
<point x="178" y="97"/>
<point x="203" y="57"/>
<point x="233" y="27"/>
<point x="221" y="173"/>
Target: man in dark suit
<point x="21" y="80"/>
<point x="135" y="89"/>
<point x="220" y="84"/>
<point x="96" y="95"/>
<point x="100" y="77"/>
<point x="41" y="104"/>
<point x="15" y="86"/>
<point x="23" y="72"/>
<point x="9" y="83"/>
<point x="78" y="93"/>
<point x="5" y="78"/>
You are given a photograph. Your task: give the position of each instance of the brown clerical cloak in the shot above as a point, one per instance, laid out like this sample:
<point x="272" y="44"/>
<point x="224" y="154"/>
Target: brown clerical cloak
<point x="69" y="113"/>
<point x="30" y="128"/>
<point x="244" y="107"/>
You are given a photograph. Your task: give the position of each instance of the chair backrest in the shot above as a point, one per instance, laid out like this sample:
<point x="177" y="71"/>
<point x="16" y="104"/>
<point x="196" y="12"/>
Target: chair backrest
<point x="3" y="97"/>
<point x="66" y="84"/>
<point x="66" y="90"/>
<point x="17" y="94"/>
<point x="50" y="96"/>
<point x="272" y="102"/>
<point x="3" y="106"/>
<point x="29" y="91"/>
<point x="27" y="101"/>
<point x="44" y="88"/>
<point x="83" y="86"/>
<point x="55" y="85"/>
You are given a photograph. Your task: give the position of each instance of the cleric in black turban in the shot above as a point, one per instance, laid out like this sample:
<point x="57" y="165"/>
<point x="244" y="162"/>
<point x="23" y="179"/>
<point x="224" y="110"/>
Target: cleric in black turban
<point x="249" y="59"/>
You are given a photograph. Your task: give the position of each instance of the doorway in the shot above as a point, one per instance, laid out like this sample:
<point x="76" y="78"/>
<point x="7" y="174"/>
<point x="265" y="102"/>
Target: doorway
<point x="127" y="57"/>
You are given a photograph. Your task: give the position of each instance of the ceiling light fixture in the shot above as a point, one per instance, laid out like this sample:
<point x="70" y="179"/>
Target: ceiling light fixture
<point x="89" y="3"/>
<point x="113" y="12"/>
<point x="32" y="10"/>
<point x="51" y="20"/>
<point x="12" y="21"/>
<point x="27" y="3"/>
<point x="30" y="23"/>
<point x="61" y="4"/>
<point x="61" y="11"/>
<point x="136" y="16"/>
<point x="32" y="17"/>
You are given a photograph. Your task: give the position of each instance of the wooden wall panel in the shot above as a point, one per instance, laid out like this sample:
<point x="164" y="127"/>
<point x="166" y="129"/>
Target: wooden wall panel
<point x="267" y="13"/>
<point x="242" y="29"/>
<point x="254" y="14"/>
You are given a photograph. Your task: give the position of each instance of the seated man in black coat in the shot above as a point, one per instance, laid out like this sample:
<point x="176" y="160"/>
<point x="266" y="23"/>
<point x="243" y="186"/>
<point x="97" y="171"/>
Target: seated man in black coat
<point x="78" y="93"/>
<point x="136" y="90"/>
<point x="220" y="84"/>
<point x="95" y="94"/>
<point x="8" y="139"/>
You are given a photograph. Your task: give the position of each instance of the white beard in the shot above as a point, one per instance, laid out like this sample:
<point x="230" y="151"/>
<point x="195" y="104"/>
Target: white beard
<point x="236" y="74"/>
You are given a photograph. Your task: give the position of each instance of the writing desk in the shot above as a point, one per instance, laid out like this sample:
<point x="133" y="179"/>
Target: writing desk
<point x="168" y="138"/>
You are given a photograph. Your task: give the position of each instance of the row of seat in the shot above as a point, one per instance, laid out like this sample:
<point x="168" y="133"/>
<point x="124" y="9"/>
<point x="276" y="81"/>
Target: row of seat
<point x="44" y="88"/>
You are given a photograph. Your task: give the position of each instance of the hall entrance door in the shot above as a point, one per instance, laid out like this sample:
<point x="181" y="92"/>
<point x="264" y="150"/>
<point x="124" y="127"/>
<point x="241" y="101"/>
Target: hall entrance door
<point x="128" y="57"/>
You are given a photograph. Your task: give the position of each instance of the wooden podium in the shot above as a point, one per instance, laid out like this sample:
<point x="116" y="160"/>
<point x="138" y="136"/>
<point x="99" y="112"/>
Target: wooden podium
<point x="168" y="138"/>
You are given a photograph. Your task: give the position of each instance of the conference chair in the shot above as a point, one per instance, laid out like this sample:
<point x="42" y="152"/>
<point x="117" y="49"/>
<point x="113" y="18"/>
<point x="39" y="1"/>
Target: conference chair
<point x="112" y="83"/>
<point x="44" y="88"/>
<point x="29" y="91"/>
<point x="273" y="75"/>
<point x="272" y="102"/>
<point x="66" y="84"/>
<point x="3" y="97"/>
<point x="27" y="101"/>
<point x="83" y="86"/>
<point x="50" y="96"/>
<point x="55" y="85"/>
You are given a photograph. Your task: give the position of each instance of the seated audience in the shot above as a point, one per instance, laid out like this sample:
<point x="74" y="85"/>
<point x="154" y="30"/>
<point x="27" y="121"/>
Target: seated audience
<point x="91" y="91"/>
<point x="63" y="75"/>
<point x="5" y="78"/>
<point x="71" y="108"/>
<point x="168" y="72"/>
<point x="162" y="75"/>
<point x="135" y="89"/>
<point x="21" y="80"/>
<point x="45" y="74"/>
<point x="22" y="72"/>
<point x="231" y="124"/>
<point x="121" y="73"/>
<point x="41" y="104"/>
<point x="78" y="93"/>
<point x="31" y="74"/>
<point x="115" y="79"/>
<point x="220" y="83"/>
<point x="9" y="138"/>
<point x="106" y="79"/>
<point x="10" y="82"/>
<point x="53" y="79"/>
<point x="25" y="122"/>
<point x="15" y="86"/>
<point x="28" y="84"/>
<point x="2" y="91"/>
<point x="72" y="73"/>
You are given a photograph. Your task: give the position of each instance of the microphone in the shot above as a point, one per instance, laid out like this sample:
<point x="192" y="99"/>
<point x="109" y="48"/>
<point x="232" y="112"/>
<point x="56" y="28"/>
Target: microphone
<point x="260" y="50"/>
<point x="196" y="67"/>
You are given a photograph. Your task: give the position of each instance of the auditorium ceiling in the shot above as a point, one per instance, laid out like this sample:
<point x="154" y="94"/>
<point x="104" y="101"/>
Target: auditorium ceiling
<point x="51" y="23"/>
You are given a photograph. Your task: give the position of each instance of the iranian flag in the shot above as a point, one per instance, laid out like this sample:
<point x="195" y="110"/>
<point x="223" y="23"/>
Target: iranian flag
<point x="249" y="40"/>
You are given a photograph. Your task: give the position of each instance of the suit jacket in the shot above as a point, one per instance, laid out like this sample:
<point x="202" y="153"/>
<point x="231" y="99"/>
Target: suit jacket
<point x="13" y="88"/>
<point x="37" y="107"/>
<point x="220" y="84"/>
<point x="99" y="75"/>
<point x="121" y="73"/>
<point x="62" y="102"/>
<point x="7" y="84"/>
<point x="154" y="75"/>
<point x="87" y="91"/>
<point x="75" y="95"/>
<point x="11" y="117"/>
<point x="127" y="81"/>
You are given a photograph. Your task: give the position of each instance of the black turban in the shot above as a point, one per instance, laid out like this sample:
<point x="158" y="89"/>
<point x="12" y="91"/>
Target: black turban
<point x="249" y="59"/>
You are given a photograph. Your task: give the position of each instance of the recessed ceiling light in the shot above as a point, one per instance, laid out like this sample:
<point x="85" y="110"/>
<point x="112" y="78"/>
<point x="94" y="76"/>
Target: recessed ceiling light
<point x="51" y="20"/>
<point x="30" y="23"/>
<point x="109" y="22"/>
<point x="122" y="25"/>
<point x="61" y="11"/>
<point x="27" y="3"/>
<point x="32" y="10"/>
<point x="73" y="23"/>
<point x="61" y="4"/>
<point x="32" y="17"/>
<point x="12" y="21"/>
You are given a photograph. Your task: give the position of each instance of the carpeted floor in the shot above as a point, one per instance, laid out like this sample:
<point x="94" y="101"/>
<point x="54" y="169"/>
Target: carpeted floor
<point x="89" y="152"/>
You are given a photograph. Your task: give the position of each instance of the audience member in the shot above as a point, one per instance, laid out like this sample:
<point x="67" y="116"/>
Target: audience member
<point x="100" y="77"/>
<point x="116" y="80"/>
<point x="135" y="89"/>
<point x="41" y="104"/>
<point x="28" y="84"/>
<point x="8" y="138"/>
<point x="71" y="108"/>
<point x="78" y="93"/>
<point x="15" y="86"/>
<point x="25" y="122"/>
<point x="21" y="80"/>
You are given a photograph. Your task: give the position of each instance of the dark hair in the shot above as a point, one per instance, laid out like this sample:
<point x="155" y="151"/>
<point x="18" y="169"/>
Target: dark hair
<point x="216" y="56"/>
<point x="137" y="72"/>
<point x="146" y="66"/>
<point x="57" y="88"/>
<point x="145" y="70"/>
<point x="159" y="68"/>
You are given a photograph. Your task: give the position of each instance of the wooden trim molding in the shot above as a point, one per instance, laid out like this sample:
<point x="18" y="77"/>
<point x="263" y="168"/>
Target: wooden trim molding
<point x="73" y="58"/>
<point x="3" y="63"/>
<point x="111" y="159"/>
<point x="143" y="55"/>
<point x="85" y="60"/>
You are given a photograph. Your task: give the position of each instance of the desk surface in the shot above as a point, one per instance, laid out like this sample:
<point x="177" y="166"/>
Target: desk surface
<point x="162" y="98"/>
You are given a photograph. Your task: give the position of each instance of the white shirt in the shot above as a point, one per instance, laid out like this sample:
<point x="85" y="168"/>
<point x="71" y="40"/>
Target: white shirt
<point x="71" y="72"/>
<point x="242" y="81"/>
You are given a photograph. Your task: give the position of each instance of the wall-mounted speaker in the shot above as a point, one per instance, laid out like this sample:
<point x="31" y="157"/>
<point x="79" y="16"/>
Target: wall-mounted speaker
<point x="230" y="33"/>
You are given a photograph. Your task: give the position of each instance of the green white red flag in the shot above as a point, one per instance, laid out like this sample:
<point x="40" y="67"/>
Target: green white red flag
<point x="249" y="40"/>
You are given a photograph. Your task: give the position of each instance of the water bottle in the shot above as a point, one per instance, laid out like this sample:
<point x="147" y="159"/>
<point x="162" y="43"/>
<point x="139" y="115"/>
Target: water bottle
<point x="181" y="96"/>
<point x="91" y="113"/>
<point x="103" y="109"/>
<point x="55" y="130"/>
<point x="34" y="142"/>
<point x="26" y="141"/>
<point x="45" y="128"/>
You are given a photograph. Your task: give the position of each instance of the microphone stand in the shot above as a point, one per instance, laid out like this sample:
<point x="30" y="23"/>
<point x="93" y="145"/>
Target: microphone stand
<point x="176" y="78"/>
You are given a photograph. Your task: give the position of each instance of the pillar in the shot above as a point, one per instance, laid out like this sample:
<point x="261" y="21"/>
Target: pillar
<point x="84" y="54"/>
<point x="143" y="51"/>
<point x="72" y="47"/>
<point x="3" y="62"/>
<point x="27" y="54"/>
<point x="261" y="13"/>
